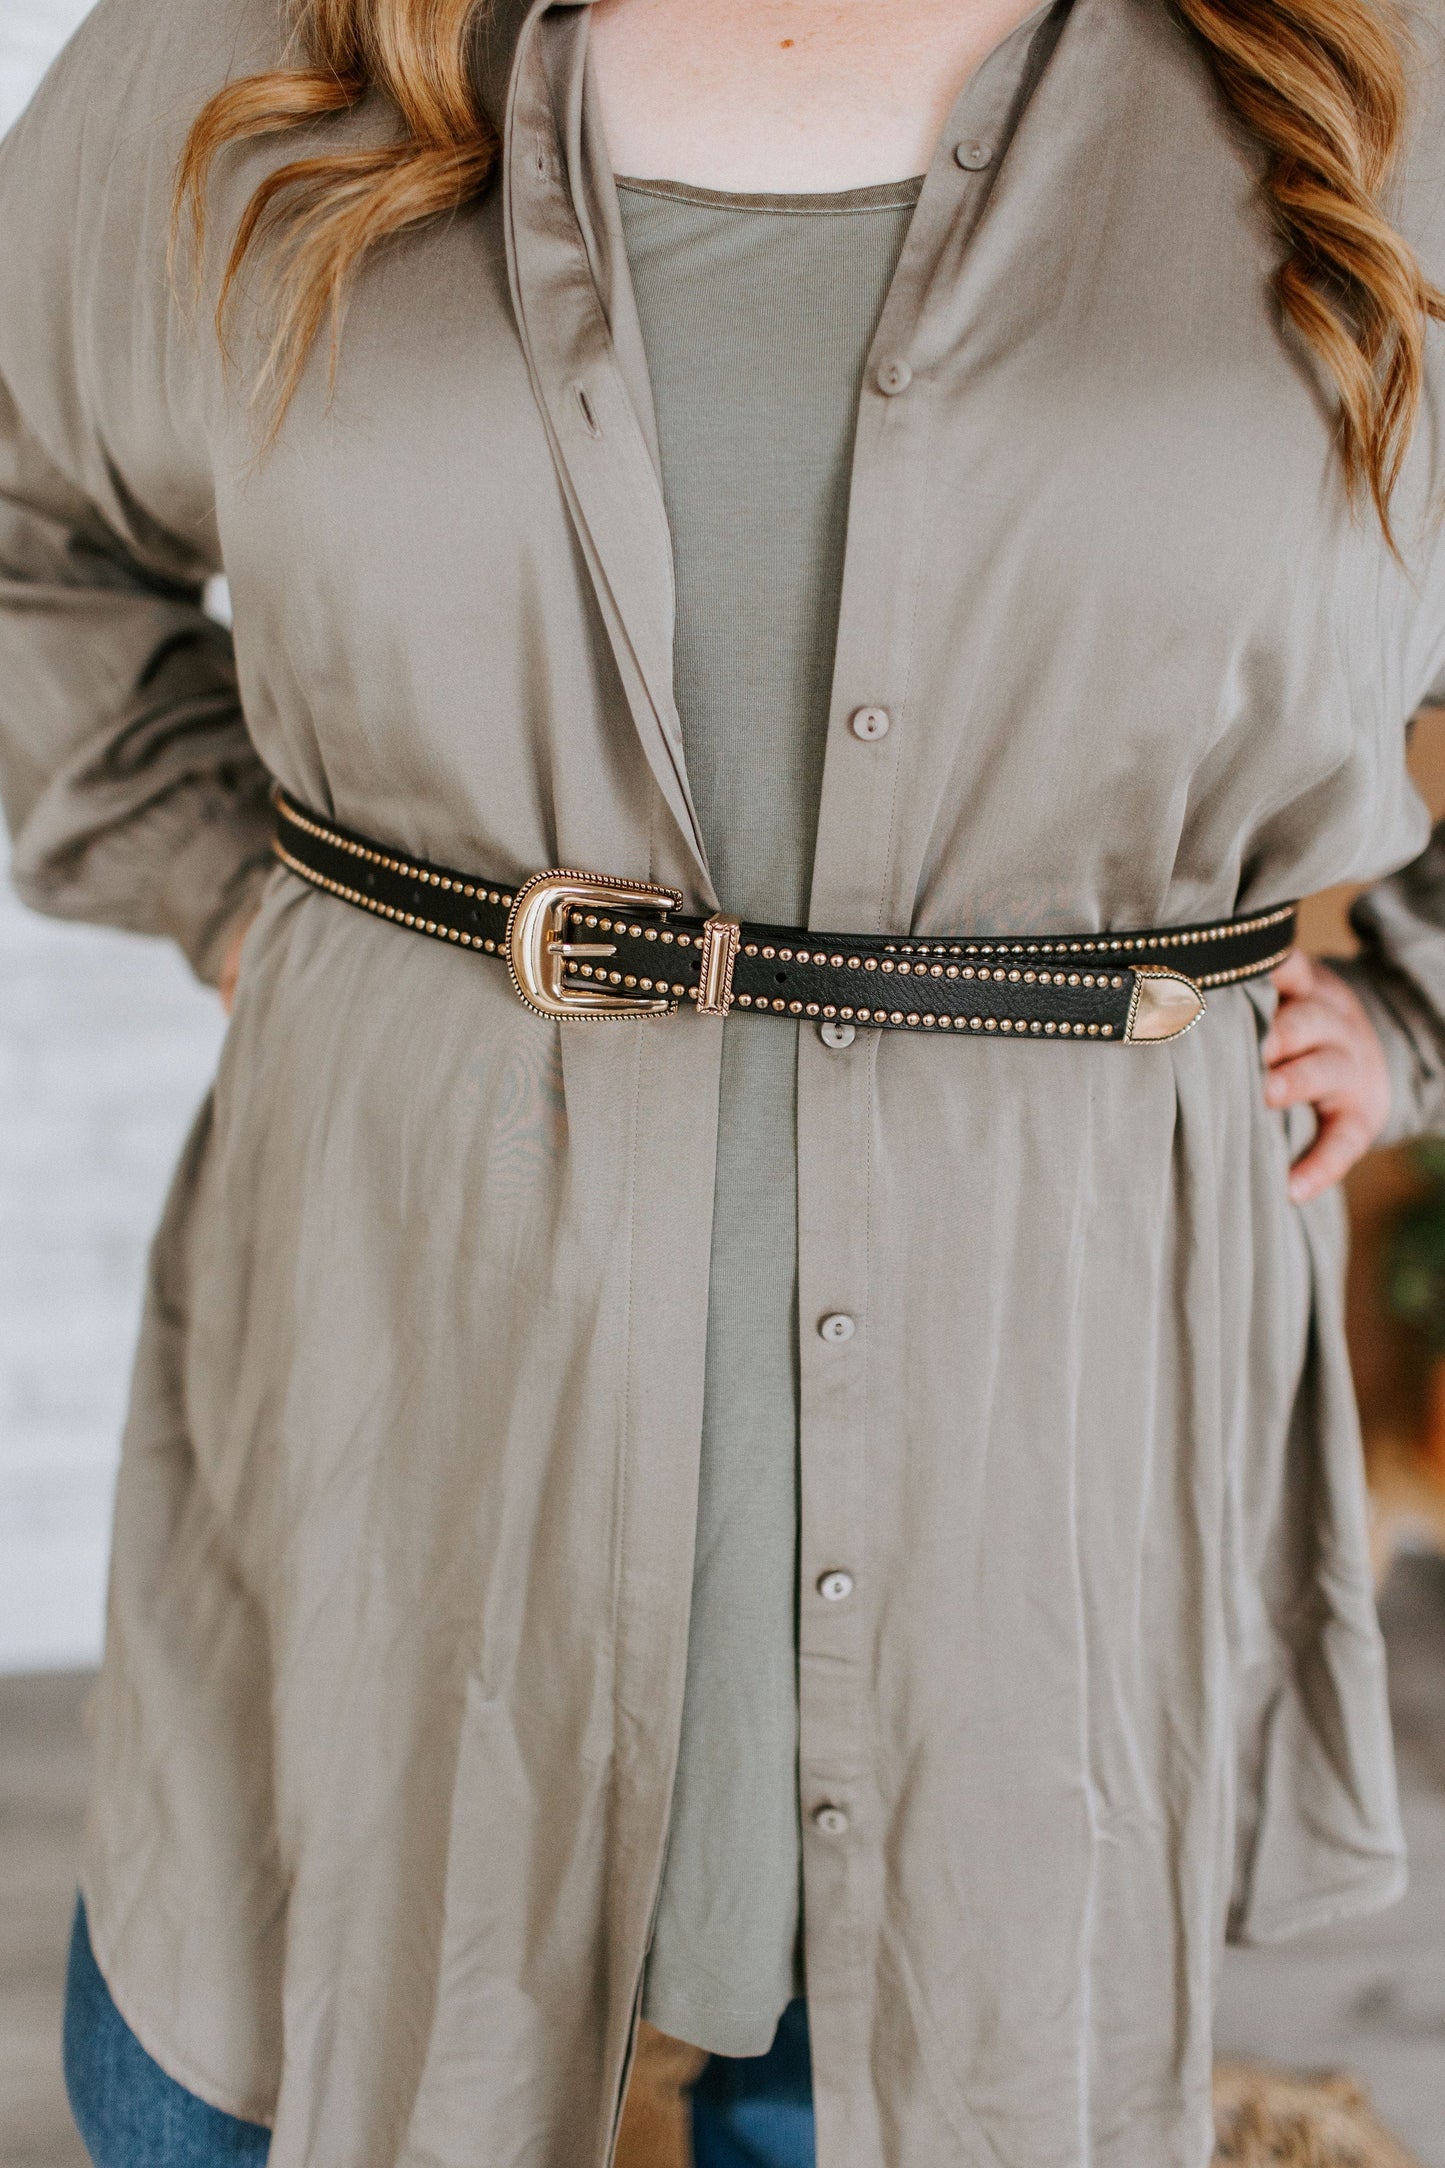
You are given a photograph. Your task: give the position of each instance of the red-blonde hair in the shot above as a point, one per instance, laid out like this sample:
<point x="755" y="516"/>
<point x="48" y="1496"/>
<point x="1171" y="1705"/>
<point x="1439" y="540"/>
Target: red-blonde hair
<point x="1318" y="84"/>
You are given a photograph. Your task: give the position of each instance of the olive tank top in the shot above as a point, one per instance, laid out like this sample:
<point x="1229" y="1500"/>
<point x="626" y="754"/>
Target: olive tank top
<point x="756" y="313"/>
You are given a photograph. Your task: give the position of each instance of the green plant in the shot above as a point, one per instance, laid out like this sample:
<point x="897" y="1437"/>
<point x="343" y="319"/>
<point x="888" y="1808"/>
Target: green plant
<point x="1415" y="1263"/>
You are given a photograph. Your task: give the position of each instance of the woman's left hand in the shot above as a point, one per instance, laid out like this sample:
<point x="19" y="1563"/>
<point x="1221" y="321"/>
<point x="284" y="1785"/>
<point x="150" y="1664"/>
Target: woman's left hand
<point x="1323" y="1051"/>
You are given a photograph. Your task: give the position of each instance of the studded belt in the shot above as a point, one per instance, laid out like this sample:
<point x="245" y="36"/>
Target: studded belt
<point x="583" y="948"/>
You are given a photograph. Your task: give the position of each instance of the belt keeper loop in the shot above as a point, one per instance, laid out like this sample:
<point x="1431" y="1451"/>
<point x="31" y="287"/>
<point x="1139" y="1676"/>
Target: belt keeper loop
<point x="720" y="937"/>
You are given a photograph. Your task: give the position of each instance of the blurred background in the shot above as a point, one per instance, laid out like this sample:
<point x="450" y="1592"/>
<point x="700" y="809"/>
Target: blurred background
<point x="106" y="1047"/>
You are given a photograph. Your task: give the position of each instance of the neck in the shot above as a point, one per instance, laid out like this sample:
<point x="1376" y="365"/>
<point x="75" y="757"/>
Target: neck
<point x="786" y="95"/>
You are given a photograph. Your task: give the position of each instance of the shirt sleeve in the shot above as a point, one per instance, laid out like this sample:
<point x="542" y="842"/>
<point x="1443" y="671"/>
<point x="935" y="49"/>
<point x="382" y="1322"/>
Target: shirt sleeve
<point x="1399" y="973"/>
<point x="129" y="782"/>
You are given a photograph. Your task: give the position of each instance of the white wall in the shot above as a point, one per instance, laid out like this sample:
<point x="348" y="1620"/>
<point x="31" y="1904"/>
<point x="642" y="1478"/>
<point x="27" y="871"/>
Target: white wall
<point x="106" y="1046"/>
<point x="31" y="33"/>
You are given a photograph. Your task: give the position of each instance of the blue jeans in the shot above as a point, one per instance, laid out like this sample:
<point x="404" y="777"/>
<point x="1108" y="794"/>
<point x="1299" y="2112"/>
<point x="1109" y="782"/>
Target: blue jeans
<point x="757" y="2111"/>
<point x="746" y="2113"/>
<point x="130" y="2114"/>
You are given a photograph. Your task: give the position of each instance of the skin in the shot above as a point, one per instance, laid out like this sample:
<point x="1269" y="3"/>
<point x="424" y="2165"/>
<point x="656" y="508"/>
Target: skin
<point x="1322" y="1051"/>
<point x="813" y="95"/>
<point x="778" y="95"/>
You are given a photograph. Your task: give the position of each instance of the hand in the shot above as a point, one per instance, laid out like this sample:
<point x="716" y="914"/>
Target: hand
<point x="231" y="961"/>
<point x="1323" y="1051"/>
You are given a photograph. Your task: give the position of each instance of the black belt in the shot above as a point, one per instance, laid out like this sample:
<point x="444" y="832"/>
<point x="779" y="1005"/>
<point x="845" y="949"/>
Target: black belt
<point x="581" y="947"/>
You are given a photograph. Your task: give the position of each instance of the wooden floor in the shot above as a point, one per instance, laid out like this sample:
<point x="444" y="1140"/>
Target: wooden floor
<point x="1370" y="1998"/>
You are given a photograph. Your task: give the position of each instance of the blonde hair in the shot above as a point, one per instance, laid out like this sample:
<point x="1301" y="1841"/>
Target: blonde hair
<point x="1319" y="85"/>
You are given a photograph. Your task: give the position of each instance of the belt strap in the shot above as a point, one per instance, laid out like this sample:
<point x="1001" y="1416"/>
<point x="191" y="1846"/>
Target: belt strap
<point x="582" y="948"/>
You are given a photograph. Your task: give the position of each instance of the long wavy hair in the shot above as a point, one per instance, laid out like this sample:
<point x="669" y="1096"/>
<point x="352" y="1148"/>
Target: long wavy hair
<point x="1318" y="85"/>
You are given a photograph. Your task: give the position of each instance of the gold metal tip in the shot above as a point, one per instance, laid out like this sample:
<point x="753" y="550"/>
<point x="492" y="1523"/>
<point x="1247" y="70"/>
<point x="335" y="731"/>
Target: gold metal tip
<point x="1165" y="1004"/>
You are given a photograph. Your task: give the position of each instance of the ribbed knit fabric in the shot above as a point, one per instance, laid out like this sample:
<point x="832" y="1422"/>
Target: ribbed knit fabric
<point x="757" y="313"/>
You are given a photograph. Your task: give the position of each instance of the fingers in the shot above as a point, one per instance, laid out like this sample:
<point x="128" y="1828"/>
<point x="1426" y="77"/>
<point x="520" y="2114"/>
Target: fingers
<point x="1339" y="1142"/>
<point x="1317" y="1078"/>
<point x="1322" y="1051"/>
<point x="1296" y="975"/>
<point x="1316" y="1008"/>
<point x="231" y="962"/>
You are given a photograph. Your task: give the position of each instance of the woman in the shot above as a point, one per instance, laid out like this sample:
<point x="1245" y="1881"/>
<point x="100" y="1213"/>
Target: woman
<point x="841" y="1541"/>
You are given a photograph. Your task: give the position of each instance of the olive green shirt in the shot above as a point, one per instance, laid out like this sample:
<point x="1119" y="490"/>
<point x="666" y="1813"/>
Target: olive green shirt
<point x="404" y="1558"/>
<point x="756" y="313"/>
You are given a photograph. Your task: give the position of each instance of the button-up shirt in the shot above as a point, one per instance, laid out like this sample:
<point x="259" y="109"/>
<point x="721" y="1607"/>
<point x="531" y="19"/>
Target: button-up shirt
<point x="397" y="1634"/>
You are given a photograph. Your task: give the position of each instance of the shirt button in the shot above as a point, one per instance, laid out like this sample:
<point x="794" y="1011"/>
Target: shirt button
<point x="973" y="156"/>
<point x="894" y="376"/>
<point x="837" y="1326"/>
<point x="870" y="723"/>
<point x="833" y="1587"/>
<point x="837" y="1034"/>
<point x="831" y="1820"/>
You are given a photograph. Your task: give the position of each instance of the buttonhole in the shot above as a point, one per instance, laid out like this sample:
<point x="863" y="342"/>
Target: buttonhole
<point x="594" y="428"/>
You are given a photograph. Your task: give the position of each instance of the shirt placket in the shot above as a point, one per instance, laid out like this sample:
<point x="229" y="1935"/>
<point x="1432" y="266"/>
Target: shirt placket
<point x="862" y="869"/>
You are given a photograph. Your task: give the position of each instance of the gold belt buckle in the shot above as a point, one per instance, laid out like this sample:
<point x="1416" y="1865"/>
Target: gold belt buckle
<point x="539" y="953"/>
